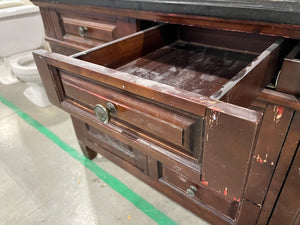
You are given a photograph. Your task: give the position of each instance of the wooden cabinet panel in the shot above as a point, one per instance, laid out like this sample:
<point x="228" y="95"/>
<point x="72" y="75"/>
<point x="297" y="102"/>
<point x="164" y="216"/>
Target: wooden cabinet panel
<point x="287" y="208"/>
<point x="275" y="124"/>
<point x="144" y="117"/>
<point x="166" y="90"/>
<point x="289" y="77"/>
<point x="89" y="135"/>
<point x="180" y="118"/>
<point x="198" y="191"/>
<point x="69" y="30"/>
<point x="102" y="30"/>
<point x="282" y="167"/>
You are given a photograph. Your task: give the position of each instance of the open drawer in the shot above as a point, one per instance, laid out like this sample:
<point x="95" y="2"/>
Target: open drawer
<point x="289" y="78"/>
<point x="177" y="93"/>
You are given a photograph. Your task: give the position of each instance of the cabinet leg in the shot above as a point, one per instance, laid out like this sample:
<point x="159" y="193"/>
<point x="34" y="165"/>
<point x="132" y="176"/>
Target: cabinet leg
<point x="88" y="153"/>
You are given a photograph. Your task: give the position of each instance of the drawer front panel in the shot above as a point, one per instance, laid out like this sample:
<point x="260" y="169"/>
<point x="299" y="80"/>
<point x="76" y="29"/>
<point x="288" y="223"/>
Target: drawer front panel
<point x="146" y="118"/>
<point x="101" y="29"/>
<point x="118" y="148"/>
<point x="110" y="147"/>
<point x="198" y="192"/>
<point x="176" y="125"/>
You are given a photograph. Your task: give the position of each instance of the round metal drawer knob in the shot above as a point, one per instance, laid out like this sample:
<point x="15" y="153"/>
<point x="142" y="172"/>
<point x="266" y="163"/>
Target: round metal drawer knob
<point x="82" y="31"/>
<point x="103" y="113"/>
<point x="191" y="191"/>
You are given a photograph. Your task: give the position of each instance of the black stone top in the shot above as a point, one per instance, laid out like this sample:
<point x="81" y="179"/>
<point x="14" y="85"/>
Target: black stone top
<point x="274" y="11"/>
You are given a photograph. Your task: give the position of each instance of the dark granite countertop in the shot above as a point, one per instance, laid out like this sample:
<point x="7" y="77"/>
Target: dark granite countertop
<point x="281" y="12"/>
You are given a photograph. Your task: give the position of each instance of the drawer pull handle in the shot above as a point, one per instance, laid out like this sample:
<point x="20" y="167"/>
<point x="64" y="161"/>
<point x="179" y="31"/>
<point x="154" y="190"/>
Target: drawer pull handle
<point x="82" y="31"/>
<point x="103" y="113"/>
<point x="191" y="191"/>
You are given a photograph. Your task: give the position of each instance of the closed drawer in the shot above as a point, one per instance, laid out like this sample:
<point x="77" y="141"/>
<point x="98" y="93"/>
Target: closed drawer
<point x="74" y="30"/>
<point x="198" y="192"/>
<point x="92" y="30"/>
<point x="181" y="95"/>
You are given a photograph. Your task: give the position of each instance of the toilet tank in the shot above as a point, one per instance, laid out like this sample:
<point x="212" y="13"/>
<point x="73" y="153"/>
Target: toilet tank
<point x="21" y="29"/>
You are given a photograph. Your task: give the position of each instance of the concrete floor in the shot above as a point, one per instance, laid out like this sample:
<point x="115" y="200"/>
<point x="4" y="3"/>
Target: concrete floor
<point x="42" y="184"/>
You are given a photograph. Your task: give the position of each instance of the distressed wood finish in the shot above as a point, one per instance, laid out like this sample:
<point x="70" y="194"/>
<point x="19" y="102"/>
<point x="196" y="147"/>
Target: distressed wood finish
<point x="143" y="117"/>
<point x="148" y="171"/>
<point x="230" y="155"/>
<point x="282" y="167"/>
<point x="275" y="124"/>
<point x="287" y="208"/>
<point x="184" y="98"/>
<point x="171" y="123"/>
<point x="202" y="193"/>
<point x="278" y="98"/>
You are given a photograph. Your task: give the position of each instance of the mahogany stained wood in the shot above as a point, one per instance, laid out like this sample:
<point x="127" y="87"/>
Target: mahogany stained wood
<point x="286" y="30"/>
<point x="279" y="98"/>
<point x="289" y="77"/>
<point x="154" y="50"/>
<point x="181" y="197"/>
<point x="142" y="116"/>
<point x="282" y="167"/>
<point x="202" y="194"/>
<point x="189" y="67"/>
<point x="227" y="135"/>
<point x="228" y="147"/>
<point x="287" y="208"/>
<point x="275" y="124"/>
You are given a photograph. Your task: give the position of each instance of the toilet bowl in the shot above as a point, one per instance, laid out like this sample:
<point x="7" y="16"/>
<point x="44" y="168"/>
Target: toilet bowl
<point x="23" y="66"/>
<point x="24" y="32"/>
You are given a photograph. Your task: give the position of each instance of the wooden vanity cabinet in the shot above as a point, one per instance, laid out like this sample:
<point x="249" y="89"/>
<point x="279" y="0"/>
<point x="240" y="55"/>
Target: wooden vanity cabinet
<point x="69" y="31"/>
<point x="181" y="107"/>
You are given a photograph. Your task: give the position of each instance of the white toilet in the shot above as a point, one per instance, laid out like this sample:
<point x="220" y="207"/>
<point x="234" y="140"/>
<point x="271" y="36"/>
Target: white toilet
<point x="24" y="32"/>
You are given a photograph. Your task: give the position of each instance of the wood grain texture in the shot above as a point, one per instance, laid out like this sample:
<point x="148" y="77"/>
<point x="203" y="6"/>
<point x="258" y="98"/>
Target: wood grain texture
<point x="61" y="26"/>
<point x="275" y="124"/>
<point x="180" y="197"/>
<point x="287" y="207"/>
<point x="189" y="67"/>
<point x="289" y="77"/>
<point x="153" y="148"/>
<point x="286" y="30"/>
<point x="173" y="97"/>
<point x="279" y="98"/>
<point x="193" y="139"/>
<point x="248" y="83"/>
<point x="228" y="147"/>
<point x="283" y="164"/>
<point x="202" y="194"/>
<point x="49" y="79"/>
<point x="158" y="122"/>
<point x="248" y="213"/>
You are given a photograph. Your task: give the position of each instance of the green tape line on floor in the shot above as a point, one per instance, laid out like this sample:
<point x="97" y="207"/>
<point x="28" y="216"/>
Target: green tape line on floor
<point x="113" y="182"/>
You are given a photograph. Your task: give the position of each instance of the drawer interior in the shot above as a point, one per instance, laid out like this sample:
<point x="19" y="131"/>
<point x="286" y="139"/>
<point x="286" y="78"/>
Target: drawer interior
<point x="190" y="66"/>
<point x="197" y="60"/>
<point x="171" y="86"/>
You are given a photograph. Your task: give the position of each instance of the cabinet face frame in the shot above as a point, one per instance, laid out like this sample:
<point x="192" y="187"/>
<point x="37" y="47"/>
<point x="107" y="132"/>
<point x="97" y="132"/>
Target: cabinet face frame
<point x="285" y="159"/>
<point x="208" y="110"/>
<point x="62" y="28"/>
<point x="226" y="126"/>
